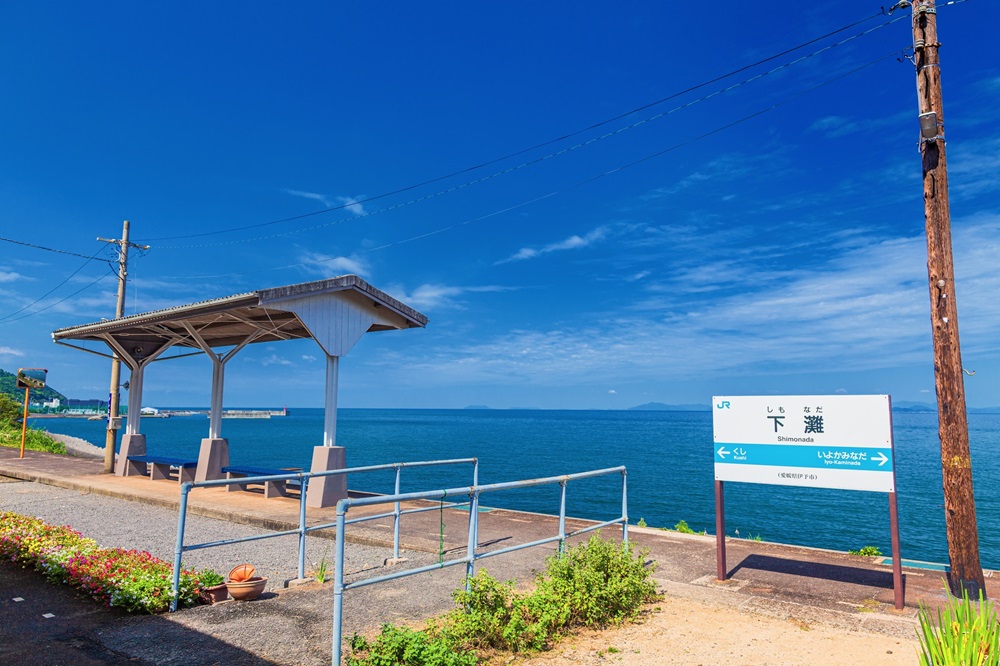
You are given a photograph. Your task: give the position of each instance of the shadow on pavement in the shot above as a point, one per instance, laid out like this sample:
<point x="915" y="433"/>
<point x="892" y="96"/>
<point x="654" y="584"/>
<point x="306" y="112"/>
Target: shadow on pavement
<point x="823" y="570"/>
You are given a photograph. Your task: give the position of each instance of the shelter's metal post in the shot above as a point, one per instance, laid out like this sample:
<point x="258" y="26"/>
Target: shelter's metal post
<point x="562" y="517"/>
<point x="302" y="526"/>
<point x="898" y="589"/>
<point x="135" y="399"/>
<point x="179" y="546"/>
<point x="338" y="585"/>
<point x="720" y="533"/>
<point x="625" y="507"/>
<point x="470" y="566"/>
<point x="395" y="519"/>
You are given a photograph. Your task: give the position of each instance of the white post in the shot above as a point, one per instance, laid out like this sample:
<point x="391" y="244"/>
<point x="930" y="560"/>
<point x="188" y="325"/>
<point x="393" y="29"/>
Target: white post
<point x="215" y="411"/>
<point x="134" y="400"/>
<point x="330" y="415"/>
<point x="327" y="490"/>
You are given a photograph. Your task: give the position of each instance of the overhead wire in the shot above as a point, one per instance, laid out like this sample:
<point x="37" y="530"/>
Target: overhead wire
<point x="586" y="181"/>
<point x="42" y="247"/>
<point x="537" y="160"/>
<point x="356" y="202"/>
<point x="6" y="319"/>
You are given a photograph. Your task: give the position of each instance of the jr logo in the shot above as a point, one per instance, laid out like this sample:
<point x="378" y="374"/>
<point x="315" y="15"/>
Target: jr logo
<point x="723" y="405"/>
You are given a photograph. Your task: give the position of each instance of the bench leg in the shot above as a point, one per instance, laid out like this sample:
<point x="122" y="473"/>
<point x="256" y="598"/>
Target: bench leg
<point x="132" y="468"/>
<point x="274" y="489"/>
<point x="159" y="471"/>
<point x="235" y="487"/>
<point x="186" y="474"/>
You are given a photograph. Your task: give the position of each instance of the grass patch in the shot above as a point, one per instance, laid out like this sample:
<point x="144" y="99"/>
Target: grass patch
<point x="966" y="632"/>
<point x="597" y="584"/>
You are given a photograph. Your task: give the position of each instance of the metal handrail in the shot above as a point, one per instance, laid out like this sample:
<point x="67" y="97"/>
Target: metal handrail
<point x="302" y="529"/>
<point x="474" y="491"/>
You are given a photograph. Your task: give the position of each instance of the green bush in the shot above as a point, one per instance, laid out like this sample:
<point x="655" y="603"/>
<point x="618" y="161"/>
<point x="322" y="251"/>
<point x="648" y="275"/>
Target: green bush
<point x="35" y="440"/>
<point x="866" y="551"/>
<point x="596" y="584"/>
<point x="966" y="633"/>
<point x="399" y="646"/>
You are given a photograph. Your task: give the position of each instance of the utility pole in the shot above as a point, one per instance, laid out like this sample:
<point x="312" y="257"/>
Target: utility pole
<point x="116" y="364"/>
<point x="953" y="425"/>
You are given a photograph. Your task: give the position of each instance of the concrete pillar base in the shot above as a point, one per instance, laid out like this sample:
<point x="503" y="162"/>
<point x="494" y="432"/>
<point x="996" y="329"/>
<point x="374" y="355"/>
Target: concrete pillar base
<point x="327" y="490"/>
<point x="132" y="445"/>
<point x="212" y="457"/>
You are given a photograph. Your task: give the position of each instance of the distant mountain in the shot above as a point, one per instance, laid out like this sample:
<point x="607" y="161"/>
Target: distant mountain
<point x="663" y="407"/>
<point x="477" y="407"/>
<point x="927" y="408"/>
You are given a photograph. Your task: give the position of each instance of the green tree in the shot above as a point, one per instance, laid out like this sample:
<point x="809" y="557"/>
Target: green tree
<point x="11" y="411"/>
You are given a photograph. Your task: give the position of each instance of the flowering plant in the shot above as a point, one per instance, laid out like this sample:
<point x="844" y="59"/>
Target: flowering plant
<point x="129" y="579"/>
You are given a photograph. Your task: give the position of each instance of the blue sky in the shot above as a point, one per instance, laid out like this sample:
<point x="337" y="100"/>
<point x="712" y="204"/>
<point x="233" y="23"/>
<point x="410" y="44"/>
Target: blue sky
<point x="763" y="239"/>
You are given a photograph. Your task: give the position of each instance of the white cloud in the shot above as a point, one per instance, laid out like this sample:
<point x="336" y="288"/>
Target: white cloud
<point x="308" y="358"/>
<point x="274" y="359"/>
<point x="350" y="203"/>
<point x="574" y="242"/>
<point x="865" y="310"/>
<point x="612" y="392"/>
<point x="10" y="351"/>
<point x="433" y="296"/>
<point x="325" y="265"/>
<point x="10" y="276"/>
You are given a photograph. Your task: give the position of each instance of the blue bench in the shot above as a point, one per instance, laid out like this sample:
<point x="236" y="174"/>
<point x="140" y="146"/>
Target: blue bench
<point x="271" y="488"/>
<point x="158" y="467"/>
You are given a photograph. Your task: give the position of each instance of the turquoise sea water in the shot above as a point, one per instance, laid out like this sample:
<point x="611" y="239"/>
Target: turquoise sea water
<point x="668" y="455"/>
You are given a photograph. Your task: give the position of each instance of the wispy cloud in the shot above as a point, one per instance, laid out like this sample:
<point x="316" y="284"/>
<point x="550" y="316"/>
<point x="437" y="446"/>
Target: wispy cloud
<point x="10" y="351"/>
<point x="10" y="276"/>
<point x="350" y="203"/>
<point x="866" y="309"/>
<point x="274" y="359"/>
<point x="325" y="265"/>
<point x="573" y="242"/>
<point x="435" y="296"/>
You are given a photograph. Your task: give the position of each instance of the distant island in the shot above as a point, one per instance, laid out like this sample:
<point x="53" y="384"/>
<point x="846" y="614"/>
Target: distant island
<point x="663" y="407"/>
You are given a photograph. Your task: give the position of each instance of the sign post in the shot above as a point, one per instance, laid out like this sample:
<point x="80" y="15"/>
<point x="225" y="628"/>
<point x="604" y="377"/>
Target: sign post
<point x="29" y="378"/>
<point x="832" y="441"/>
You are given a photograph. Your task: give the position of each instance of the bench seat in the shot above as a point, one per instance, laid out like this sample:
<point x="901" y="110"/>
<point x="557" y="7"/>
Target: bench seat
<point x="271" y="488"/>
<point x="158" y="467"/>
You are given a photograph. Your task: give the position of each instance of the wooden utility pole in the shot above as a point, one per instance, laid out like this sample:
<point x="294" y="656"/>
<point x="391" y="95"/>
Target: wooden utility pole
<point x="953" y="424"/>
<point x="116" y="364"/>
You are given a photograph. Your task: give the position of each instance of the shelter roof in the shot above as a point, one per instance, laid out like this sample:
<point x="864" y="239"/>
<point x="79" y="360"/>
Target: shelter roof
<point x="231" y="320"/>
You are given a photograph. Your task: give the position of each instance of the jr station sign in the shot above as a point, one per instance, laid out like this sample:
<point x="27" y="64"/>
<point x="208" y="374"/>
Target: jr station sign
<point x="825" y="441"/>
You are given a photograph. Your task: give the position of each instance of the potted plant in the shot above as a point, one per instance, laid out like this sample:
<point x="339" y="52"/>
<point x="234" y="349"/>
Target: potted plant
<point x="213" y="586"/>
<point x="244" y="584"/>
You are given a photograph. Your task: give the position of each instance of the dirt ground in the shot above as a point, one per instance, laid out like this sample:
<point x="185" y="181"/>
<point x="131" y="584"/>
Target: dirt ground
<point x="692" y="632"/>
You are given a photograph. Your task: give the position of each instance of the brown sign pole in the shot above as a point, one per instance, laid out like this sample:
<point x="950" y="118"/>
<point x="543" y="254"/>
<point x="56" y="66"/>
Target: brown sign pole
<point x="721" y="573"/>
<point x="966" y="573"/>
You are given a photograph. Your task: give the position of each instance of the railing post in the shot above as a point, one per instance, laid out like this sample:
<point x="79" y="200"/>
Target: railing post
<point x="395" y="518"/>
<point x="338" y="586"/>
<point x="562" y="518"/>
<point x="470" y="565"/>
<point x="302" y="526"/>
<point x="175" y="589"/>
<point x="625" y="507"/>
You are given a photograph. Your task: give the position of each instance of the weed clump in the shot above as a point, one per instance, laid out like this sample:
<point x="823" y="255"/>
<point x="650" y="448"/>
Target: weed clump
<point x="595" y="584"/>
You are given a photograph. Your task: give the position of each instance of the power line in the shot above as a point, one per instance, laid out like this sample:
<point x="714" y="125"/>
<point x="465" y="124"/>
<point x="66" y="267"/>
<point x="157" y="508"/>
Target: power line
<point x="47" y="249"/>
<point x="537" y="160"/>
<point x="548" y="142"/>
<point x="586" y="181"/>
<point x="61" y="300"/>
<point x="7" y="318"/>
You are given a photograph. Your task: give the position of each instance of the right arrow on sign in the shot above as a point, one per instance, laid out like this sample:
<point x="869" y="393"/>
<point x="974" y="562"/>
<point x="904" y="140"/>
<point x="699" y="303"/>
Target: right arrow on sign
<point x="881" y="458"/>
<point x="722" y="452"/>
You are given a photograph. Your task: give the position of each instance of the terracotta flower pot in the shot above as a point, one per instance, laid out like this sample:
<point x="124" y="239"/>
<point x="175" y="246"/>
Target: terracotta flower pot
<point x="248" y="589"/>
<point x="215" y="594"/>
<point x="242" y="572"/>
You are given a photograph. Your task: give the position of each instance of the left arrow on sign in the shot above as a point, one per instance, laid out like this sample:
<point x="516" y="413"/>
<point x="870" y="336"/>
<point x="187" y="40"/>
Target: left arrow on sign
<point x="722" y="452"/>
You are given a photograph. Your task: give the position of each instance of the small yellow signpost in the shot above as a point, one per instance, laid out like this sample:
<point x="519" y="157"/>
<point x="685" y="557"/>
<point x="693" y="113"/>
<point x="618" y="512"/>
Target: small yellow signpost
<point x="29" y="378"/>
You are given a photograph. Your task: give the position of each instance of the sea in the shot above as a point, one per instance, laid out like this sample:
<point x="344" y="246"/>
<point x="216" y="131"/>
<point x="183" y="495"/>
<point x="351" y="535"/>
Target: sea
<point x="668" y="455"/>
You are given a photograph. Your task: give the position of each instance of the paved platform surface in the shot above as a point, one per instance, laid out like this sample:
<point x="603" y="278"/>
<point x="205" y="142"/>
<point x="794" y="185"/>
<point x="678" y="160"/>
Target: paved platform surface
<point x="293" y="626"/>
